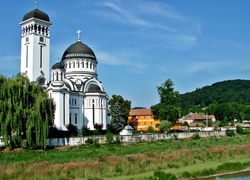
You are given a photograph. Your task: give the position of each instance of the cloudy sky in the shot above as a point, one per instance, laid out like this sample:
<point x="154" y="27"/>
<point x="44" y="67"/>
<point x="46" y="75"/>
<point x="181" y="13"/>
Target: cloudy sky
<point x="141" y="43"/>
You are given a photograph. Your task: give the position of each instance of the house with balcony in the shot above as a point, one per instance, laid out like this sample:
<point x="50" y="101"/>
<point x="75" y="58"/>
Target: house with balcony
<point x="142" y="118"/>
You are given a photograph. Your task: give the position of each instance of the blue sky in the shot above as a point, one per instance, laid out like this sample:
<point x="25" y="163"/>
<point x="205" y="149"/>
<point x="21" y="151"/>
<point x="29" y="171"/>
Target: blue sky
<point x="141" y="43"/>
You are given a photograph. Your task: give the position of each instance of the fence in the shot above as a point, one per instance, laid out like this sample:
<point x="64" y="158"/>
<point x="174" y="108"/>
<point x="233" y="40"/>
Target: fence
<point x="73" y="141"/>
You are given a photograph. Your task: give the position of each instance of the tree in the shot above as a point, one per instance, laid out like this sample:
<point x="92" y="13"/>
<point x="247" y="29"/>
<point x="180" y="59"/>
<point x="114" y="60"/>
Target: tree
<point x="167" y="109"/>
<point x="165" y="126"/>
<point x="167" y="94"/>
<point x="26" y="112"/>
<point x="125" y="105"/>
<point x="119" y="110"/>
<point x="118" y="120"/>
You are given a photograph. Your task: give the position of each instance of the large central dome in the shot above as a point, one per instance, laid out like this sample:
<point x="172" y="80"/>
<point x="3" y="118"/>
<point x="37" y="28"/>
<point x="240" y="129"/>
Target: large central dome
<point x="78" y="50"/>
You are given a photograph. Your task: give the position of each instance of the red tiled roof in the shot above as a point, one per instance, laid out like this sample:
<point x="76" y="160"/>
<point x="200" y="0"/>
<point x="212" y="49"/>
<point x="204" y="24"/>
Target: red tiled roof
<point x="196" y="116"/>
<point x="140" y="112"/>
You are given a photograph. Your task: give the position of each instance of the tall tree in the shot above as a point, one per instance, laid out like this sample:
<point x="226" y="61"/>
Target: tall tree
<point x="167" y="94"/>
<point x="119" y="110"/>
<point x="167" y="109"/>
<point x="118" y="120"/>
<point x="26" y="113"/>
<point x="125" y="105"/>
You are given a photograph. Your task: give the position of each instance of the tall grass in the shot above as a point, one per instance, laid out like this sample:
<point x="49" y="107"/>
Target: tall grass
<point x="95" y="161"/>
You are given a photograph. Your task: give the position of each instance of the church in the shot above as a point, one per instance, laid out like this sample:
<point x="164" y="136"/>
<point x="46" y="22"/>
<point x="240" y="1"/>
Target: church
<point x="79" y="96"/>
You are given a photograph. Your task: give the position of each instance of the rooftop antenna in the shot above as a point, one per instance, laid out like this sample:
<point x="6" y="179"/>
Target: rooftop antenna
<point x="36" y="4"/>
<point x="79" y="35"/>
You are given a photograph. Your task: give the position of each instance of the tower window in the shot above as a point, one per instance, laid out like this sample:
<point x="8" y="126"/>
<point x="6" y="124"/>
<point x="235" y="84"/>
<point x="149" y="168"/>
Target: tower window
<point x="41" y="39"/>
<point x="75" y="118"/>
<point x="27" y="51"/>
<point x="41" y="56"/>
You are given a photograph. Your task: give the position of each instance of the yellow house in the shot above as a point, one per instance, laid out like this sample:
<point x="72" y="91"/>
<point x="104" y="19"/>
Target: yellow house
<point x="142" y="118"/>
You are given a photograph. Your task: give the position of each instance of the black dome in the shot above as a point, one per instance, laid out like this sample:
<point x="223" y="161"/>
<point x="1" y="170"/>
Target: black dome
<point x="58" y="65"/>
<point x="94" y="88"/>
<point x="36" y="13"/>
<point x="78" y="50"/>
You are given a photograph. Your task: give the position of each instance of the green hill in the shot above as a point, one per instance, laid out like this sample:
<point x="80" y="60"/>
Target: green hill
<point x="225" y="91"/>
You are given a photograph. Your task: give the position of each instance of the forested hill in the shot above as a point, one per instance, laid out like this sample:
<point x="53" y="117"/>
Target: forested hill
<point x="225" y="91"/>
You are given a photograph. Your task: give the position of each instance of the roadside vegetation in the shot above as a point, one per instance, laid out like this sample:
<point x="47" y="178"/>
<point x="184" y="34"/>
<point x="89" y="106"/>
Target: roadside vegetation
<point x="170" y="159"/>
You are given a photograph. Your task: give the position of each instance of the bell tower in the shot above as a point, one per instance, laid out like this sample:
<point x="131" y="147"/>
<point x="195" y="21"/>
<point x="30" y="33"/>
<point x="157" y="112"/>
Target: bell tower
<point x="35" y="46"/>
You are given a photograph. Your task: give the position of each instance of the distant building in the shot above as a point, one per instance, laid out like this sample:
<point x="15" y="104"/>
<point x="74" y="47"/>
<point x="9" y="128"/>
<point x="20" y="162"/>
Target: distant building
<point x="142" y="118"/>
<point x="195" y="117"/>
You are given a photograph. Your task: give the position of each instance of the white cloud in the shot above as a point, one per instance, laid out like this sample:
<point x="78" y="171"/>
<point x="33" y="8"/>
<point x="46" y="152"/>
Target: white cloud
<point x="155" y="20"/>
<point x="132" y="64"/>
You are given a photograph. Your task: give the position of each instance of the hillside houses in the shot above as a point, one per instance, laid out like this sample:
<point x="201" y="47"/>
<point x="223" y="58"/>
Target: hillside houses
<point x="196" y="118"/>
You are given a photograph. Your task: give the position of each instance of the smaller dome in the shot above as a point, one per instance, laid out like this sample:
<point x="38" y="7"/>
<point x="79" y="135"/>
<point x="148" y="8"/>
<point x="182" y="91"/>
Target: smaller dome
<point x="36" y="13"/>
<point x="58" y="65"/>
<point x="94" y="88"/>
<point x="78" y="50"/>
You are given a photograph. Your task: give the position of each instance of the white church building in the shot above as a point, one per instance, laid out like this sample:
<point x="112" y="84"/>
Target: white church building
<point x="79" y="96"/>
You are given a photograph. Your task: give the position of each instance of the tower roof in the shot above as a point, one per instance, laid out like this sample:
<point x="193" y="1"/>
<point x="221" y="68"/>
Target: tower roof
<point x="36" y="13"/>
<point x="78" y="50"/>
<point x="58" y="65"/>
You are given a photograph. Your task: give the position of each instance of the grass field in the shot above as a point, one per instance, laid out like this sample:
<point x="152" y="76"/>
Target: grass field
<point x="182" y="158"/>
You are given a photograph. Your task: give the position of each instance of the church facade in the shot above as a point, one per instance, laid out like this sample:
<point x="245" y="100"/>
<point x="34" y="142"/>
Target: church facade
<point x="79" y="96"/>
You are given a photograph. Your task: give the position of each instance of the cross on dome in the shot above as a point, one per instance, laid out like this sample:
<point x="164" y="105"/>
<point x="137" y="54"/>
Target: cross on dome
<point x="36" y="4"/>
<point x="79" y="35"/>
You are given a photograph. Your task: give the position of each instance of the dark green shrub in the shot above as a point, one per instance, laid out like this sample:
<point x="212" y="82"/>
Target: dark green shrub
<point x="117" y="139"/>
<point x="95" y="132"/>
<point x="118" y="169"/>
<point x="230" y="133"/>
<point x="96" y="144"/>
<point x="151" y="129"/>
<point x="230" y="166"/>
<point x="196" y="136"/>
<point x="207" y="172"/>
<point x="239" y="129"/>
<point x="186" y="174"/>
<point x="109" y="138"/>
<point x="85" y="131"/>
<point x="72" y="129"/>
<point x="89" y="141"/>
<point x="175" y="137"/>
<point x="24" y="144"/>
<point x="164" y="176"/>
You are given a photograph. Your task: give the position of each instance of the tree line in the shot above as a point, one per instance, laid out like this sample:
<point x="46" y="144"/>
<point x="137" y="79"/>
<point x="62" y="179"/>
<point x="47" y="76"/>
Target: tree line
<point x="27" y="113"/>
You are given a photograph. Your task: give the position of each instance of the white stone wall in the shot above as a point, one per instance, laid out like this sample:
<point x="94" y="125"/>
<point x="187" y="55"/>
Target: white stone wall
<point x="73" y="141"/>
